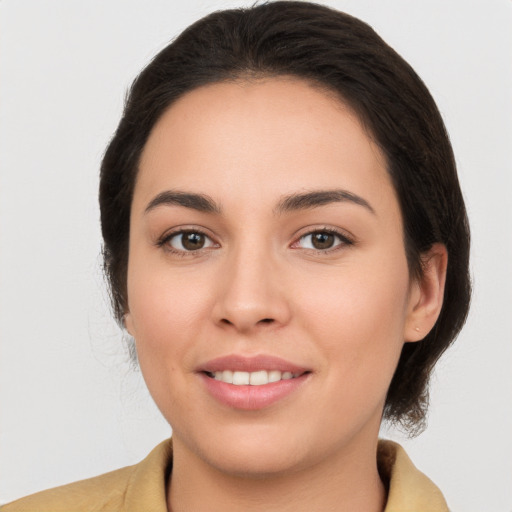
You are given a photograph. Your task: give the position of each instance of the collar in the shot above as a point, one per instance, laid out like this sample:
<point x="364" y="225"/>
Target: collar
<point x="409" y="489"/>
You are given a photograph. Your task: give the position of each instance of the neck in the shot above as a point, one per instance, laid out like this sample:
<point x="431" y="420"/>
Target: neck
<point x="346" y="482"/>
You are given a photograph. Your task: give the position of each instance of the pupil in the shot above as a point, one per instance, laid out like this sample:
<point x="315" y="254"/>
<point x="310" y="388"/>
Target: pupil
<point x="193" y="241"/>
<point x="322" y="240"/>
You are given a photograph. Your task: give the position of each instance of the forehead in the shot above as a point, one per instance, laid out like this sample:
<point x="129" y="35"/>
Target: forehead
<point x="257" y="138"/>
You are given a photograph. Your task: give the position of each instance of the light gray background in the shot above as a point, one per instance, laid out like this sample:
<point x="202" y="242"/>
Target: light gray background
<point x="71" y="407"/>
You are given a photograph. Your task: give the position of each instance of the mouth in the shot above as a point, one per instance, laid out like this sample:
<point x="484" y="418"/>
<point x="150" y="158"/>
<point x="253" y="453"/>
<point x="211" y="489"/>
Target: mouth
<point x="254" y="382"/>
<point x="257" y="378"/>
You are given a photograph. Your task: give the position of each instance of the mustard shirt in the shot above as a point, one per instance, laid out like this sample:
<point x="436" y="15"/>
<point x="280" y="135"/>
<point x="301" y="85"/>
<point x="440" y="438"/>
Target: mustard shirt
<point x="142" y="487"/>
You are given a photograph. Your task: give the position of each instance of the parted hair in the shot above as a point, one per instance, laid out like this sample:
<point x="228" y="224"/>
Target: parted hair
<point x="345" y="56"/>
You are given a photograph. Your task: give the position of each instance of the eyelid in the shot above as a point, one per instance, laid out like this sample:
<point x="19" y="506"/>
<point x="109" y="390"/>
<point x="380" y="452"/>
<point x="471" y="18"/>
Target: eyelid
<point x="345" y="238"/>
<point x="163" y="240"/>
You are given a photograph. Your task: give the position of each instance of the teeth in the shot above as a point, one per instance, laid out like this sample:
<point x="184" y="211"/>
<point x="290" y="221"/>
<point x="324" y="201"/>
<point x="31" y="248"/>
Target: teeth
<point x="241" y="378"/>
<point x="258" y="378"/>
<point x="274" y="376"/>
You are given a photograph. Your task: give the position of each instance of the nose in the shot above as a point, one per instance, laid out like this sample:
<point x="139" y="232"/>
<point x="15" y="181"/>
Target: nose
<point x="252" y="293"/>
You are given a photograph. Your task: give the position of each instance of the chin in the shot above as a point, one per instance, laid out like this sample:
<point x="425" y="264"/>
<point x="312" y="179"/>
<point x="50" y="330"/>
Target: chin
<point x="259" y="463"/>
<point x="251" y="452"/>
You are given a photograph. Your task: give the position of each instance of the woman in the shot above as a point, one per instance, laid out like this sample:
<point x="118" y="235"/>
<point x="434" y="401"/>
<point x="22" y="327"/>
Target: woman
<point x="287" y="243"/>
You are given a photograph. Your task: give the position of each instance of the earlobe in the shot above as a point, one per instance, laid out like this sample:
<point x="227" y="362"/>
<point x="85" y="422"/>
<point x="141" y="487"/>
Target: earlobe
<point x="426" y="296"/>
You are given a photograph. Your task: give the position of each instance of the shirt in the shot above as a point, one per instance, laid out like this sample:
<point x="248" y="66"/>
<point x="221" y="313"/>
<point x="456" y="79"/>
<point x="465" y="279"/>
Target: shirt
<point x="142" y="487"/>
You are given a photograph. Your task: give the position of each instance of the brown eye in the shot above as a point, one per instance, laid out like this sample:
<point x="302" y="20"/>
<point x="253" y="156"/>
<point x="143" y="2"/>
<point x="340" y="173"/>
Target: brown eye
<point x="322" y="240"/>
<point x="189" y="241"/>
<point x="192" y="241"/>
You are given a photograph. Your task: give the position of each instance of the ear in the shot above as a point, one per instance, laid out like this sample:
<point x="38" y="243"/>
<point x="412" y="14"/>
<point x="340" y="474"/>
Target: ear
<point x="426" y="294"/>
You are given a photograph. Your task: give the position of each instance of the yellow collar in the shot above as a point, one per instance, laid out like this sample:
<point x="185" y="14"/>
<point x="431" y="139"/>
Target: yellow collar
<point x="143" y="487"/>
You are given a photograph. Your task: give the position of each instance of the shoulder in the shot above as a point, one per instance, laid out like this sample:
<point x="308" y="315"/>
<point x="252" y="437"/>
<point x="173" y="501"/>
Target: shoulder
<point x="122" y="490"/>
<point x="104" y="492"/>
<point x="409" y="488"/>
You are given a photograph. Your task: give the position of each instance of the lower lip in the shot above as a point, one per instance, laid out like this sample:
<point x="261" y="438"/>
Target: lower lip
<point x="251" y="398"/>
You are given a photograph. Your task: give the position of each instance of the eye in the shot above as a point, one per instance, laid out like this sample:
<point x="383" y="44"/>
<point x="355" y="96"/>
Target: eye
<point x="323" y="240"/>
<point x="188" y="241"/>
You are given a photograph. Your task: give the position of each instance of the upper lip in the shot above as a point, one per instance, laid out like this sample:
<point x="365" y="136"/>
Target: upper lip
<point x="236" y="362"/>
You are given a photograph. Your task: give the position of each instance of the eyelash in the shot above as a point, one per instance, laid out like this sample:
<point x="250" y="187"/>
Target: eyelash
<point x="344" y="239"/>
<point x="163" y="242"/>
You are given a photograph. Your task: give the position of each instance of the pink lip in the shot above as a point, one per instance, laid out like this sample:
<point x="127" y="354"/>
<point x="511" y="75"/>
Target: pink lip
<point x="250" y="364"/>
<point x="251" y="398"/>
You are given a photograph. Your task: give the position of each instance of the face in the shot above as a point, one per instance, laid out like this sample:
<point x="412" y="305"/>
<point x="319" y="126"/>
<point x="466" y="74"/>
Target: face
<point x="268" y="287"/>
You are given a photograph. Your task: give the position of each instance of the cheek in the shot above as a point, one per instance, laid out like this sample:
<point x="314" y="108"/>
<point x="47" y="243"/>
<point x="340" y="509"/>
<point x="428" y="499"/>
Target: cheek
<point x="164" y="309"/>
<point x="357" y="325"/>
<point x="358" y="318"/>
<point x="167" y="315"/>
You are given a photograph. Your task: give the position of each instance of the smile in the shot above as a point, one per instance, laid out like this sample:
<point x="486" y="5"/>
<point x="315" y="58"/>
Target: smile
<point x="250" y="383"/>
<point x="258" y="378"/>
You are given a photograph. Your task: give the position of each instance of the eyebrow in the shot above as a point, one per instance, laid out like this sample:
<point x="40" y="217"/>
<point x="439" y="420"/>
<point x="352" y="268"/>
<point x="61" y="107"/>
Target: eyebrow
<point x="199" y="202"/>
<point x="316" y="198"/>
<point x="292" y="202"/>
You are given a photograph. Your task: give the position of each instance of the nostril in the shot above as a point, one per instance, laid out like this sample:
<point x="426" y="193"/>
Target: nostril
<point x="242" y="324"/>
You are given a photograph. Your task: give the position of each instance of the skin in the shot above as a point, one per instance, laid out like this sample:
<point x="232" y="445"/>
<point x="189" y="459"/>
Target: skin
<point x="258" y="287"/>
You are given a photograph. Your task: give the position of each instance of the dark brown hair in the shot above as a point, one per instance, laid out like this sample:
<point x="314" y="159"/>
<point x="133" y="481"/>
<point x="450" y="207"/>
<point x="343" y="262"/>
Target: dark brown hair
<point x="344" y="55"/>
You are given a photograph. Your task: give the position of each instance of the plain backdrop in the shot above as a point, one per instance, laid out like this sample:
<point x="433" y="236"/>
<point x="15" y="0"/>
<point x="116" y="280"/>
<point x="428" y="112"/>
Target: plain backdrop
<point x="71" y="405"/>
